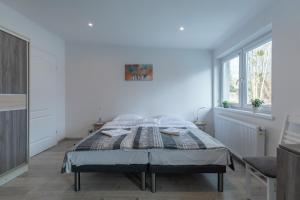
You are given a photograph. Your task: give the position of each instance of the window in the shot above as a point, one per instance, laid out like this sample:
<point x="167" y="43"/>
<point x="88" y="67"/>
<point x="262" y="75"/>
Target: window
<point x="231" y="77"/>
<point x="258" y="66"/>
<point x="247" y="74"/>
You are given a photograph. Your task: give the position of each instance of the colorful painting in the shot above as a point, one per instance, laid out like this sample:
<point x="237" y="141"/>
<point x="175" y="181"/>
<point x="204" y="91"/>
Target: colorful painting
<point x="139" y="72"/>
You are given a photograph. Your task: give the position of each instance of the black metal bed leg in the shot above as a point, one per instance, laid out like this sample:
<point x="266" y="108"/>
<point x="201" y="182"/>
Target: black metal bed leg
<point x="153" y="182"/>
<point x="220" y="182"/>
<point x="79" y="181"/>
<point x="143" y="180"/>
<point x="76" y="181"/>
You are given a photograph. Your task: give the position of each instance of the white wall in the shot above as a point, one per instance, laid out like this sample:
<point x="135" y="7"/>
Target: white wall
<point x="41" y="41"/>
<point x="285" y="19"/>
<point x="95" y="77"/>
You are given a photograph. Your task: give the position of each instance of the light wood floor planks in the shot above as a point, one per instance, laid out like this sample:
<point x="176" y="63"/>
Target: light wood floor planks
<point x="43" y="181"/>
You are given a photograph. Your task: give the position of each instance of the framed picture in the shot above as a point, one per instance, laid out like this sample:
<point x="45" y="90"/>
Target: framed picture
<point x="138" y="72"/>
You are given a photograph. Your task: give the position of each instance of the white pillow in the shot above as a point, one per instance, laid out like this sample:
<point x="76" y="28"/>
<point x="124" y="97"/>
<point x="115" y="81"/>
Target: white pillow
<point x="150" y="120"/>
<point x="128" y="117"/>
<point x="165" y="119"/>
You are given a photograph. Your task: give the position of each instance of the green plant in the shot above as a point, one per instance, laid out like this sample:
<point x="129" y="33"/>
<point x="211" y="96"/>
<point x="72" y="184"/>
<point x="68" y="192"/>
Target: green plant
<point x="225" y="104"/>
<point x="256" y="103"/>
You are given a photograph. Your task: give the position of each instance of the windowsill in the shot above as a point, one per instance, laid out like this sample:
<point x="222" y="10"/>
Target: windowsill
<point x="247" y="113"/>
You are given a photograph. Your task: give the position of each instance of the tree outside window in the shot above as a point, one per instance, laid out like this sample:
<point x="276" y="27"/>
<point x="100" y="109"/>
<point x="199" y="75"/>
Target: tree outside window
<point x="259" y="83"/>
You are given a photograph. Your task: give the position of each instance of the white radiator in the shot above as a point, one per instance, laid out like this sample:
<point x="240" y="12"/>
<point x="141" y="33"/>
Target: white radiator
<point x="243" y="139"/>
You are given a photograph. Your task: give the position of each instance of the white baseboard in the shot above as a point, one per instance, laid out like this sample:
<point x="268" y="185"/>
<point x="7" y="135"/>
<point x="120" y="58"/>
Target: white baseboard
<point x="60" y="137"/>
<point x="13" y="174"/>
<point x="73" y="138"/>
<point x="42" y="145"/>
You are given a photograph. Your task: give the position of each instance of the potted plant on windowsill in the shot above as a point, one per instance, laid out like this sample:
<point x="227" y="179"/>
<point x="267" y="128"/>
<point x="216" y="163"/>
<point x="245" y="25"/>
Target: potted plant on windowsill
<point x="256" y="104"/>
<point x="225" y="104"/>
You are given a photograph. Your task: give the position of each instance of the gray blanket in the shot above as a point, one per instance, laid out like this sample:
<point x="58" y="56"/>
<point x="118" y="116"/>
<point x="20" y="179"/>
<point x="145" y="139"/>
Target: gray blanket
<point x="143" y="138"/>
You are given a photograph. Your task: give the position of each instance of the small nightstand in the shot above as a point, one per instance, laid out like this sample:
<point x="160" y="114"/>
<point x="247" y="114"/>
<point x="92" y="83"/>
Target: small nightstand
<point x="200" y="124"/>
<point x="98" y="125"/>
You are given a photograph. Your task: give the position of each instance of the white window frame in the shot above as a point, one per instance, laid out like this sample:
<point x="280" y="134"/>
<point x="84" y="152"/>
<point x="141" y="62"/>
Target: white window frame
<point x="241" y="52"/>
<point x="225" y="59"/>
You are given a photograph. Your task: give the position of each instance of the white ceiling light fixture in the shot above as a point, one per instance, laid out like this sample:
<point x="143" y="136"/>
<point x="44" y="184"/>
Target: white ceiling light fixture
<point x="181" y="28"/>
<point x="91" y="24"/>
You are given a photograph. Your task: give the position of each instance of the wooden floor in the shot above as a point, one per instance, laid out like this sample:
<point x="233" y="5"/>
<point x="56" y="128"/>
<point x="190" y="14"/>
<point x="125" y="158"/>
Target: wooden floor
<point x="43" y="181"/>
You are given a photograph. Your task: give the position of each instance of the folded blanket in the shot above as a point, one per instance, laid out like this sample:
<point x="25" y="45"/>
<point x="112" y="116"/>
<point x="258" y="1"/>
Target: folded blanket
<point x="115" y="132"/>
<point x="171" y="131"/>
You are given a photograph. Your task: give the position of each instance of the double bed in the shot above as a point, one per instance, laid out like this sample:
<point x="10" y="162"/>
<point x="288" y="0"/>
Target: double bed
<point x="147" y="149"/>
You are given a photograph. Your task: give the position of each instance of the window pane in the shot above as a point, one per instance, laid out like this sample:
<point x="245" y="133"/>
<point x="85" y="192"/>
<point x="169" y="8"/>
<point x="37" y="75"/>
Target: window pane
<point x="259" y="64"/>
<point x="231" y="77"/>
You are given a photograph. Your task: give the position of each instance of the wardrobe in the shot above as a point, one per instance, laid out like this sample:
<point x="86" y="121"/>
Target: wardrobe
<point x="14" y="129"/>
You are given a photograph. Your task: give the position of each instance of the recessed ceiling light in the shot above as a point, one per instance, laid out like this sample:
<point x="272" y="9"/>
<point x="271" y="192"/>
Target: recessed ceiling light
<point x="91" y="24"/>
<point x="181" y="28"/>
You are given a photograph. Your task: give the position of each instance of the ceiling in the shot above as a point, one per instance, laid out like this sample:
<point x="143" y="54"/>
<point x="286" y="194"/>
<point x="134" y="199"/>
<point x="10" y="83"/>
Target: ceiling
<point x="152" y="23"/>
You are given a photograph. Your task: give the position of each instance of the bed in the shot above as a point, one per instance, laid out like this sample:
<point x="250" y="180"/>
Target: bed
<point x="147" y="149"/>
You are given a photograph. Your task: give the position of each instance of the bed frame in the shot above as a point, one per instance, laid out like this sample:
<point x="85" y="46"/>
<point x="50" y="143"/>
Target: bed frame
<point x="153" y="169"/>
<point x="157" y="169"/>
<point x="134" y="168"/>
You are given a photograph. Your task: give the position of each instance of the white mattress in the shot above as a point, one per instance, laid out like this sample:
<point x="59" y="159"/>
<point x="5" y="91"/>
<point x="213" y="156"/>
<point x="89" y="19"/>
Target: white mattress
<point x="152" y="156"/>
<point x="106" y="157"/>
<point x="189" y="157"/>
